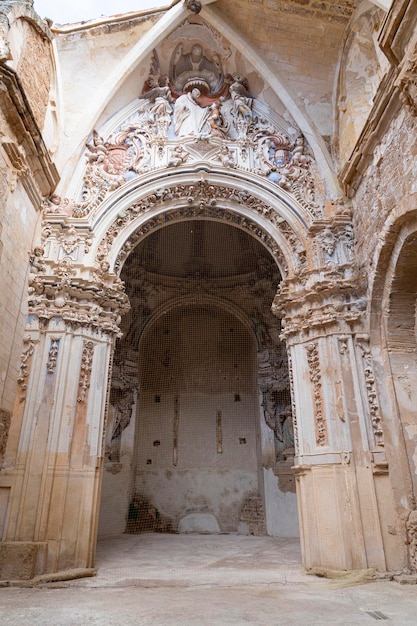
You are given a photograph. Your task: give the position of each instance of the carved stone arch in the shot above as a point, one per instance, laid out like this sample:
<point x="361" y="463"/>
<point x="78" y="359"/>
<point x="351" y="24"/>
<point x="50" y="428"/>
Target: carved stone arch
<point x="278" y="225"/>
<point x="393" y="347"/>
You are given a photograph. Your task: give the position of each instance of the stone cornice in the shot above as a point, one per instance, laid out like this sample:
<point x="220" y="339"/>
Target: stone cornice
<point x="398" y="41"/>
<point x="95" y="301"/>
<point x="321" y="301"/>
<point x="38" y="172"/>
<point x="386" y="106"/>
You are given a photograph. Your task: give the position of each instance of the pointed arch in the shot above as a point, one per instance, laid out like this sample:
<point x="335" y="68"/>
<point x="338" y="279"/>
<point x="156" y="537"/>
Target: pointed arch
<point x="162" y="29"/>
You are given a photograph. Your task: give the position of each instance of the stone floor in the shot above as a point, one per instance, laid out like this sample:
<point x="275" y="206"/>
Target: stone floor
<point x="198" y="580"/>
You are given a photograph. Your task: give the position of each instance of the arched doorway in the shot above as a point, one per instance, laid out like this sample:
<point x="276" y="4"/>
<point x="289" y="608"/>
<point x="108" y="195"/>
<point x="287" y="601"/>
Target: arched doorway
<point x="200" y="434"/>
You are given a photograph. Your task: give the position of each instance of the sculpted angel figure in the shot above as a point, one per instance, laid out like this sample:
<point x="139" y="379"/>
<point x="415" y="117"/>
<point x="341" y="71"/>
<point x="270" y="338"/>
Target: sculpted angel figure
<point x="97" y="150"/>
<point x="242" y="100"/>
<point x="218" y="126"/>
<point x="158" y="101"/>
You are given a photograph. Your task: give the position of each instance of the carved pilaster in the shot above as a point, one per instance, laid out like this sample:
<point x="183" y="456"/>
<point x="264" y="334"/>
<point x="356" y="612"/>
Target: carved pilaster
<point x="411" y="525"/>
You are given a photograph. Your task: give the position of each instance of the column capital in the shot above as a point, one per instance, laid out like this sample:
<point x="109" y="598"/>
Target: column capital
<point x="320" y="302"/>
<point x="95" y="299"/>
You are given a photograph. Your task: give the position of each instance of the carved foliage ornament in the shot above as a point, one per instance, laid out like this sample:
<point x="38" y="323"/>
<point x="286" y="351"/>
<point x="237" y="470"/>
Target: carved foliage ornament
<point x="85" y="370"/>
<point x="315" y="377"/>
<point x="371" y="390"/>
<point x="193" y="5"/>
<point x="25" y="363"/>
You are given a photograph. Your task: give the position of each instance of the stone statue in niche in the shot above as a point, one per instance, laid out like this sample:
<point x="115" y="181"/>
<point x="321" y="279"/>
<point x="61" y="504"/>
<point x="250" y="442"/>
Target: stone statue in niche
<point x="188" y="66"/>
<point x="242" y="105"/>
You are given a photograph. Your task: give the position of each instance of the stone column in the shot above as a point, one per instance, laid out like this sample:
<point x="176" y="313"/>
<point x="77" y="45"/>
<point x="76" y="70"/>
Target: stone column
<point x="56" y="449"/>
<point x="344" y="494"/>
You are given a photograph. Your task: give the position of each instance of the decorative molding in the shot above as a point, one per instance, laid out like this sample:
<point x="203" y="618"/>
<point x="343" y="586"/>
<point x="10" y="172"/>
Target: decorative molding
<point x="318" y="299"/>
<point x="293" y="405"/>
<point x="315" y="377"/>
<point x="202" y="200"/>
<point x="376" y="420"/>
<point x="25" y="364"/>
<point x="53" y="356"/>
<point x="30" y="156"/>
<point x="85" y="370"/>
<point x="176" y="123"/>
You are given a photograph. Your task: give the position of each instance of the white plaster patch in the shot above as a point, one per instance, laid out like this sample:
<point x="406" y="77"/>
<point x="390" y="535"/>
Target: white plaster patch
<point x="199" y="523"/>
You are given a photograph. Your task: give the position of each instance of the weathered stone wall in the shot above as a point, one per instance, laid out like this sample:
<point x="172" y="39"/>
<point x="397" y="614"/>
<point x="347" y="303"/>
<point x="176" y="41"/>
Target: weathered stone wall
<point x="388" y="184"/>
<point x="36" y="80"/>
<point x="18" y="224"/>
<point x="299" y="41"/>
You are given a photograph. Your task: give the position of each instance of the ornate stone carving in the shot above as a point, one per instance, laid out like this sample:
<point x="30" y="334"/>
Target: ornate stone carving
<point x="195" y="103"/>
<point x="279" y="418"/>
<point x="315" y="377"/>
<point x="25" y="363"/>
<point x="293" y="407"/>
<point x="124" y="382"/>
<point x="96" y="302"/>
<point x="363" y="343"/>
<point x="201" y="200"/>
<point x="53" y="356"/>
<point x="17" y="156"/>
<point x="315" y="299"/>
<point x="193" y="5"/>
<point x="85" y="370"/>
<point x="407" y="82"/>
<point x="178" y="157"/>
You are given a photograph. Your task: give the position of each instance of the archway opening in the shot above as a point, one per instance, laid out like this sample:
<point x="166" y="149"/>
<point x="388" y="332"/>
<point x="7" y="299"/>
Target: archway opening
<point x="401" y="338"/>
<point x="199" y="435"/>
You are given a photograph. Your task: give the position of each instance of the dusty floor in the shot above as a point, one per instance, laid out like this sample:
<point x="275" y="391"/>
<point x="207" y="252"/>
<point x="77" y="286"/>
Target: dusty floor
<point x="200" y="580"/>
